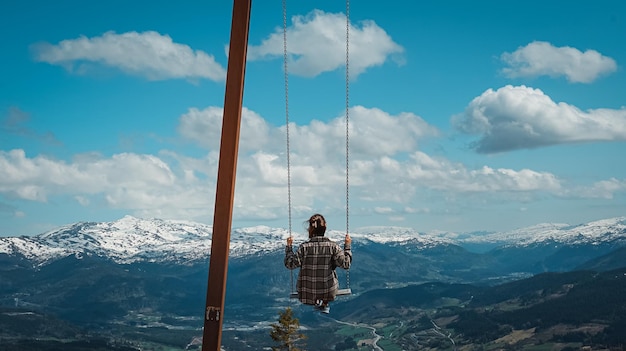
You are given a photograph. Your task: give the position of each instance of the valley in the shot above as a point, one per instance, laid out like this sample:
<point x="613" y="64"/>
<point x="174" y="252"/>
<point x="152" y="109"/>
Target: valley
<point x="428" y="295"/>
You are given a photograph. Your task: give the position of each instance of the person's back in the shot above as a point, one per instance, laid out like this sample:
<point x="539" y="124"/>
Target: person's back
<point x="317" y="258"/>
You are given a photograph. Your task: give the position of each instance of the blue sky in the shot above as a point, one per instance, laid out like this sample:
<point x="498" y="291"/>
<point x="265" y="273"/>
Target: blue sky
<point x="464" y="116"/>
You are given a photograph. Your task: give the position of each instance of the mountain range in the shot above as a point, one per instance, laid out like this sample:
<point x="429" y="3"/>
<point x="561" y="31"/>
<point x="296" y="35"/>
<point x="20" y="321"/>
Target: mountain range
<point x="143" y="281"/>
<point x="132" y="239"/>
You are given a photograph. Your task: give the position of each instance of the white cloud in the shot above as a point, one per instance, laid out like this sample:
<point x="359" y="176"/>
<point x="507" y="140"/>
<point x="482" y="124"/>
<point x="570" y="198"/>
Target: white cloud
<point x="39" y="177"/>
<point x="377" y="133"/>
<point x="413" y="210"/>
<point x="542" y="58"/>
<point x="383" y="210"/>
<point x="147" y="54"/>
<point x="519" y="117"/>
<point x="183" y="186"/>
<point x="373" y="133"/>
<point x="316" y="43"/>
<point x="439" y="173"/>
<point x="317" y="157"/>
<point x="604" y="189"/>
<point x="204" y="127"/>
<point x="84" y="201"/>
<point x="388" y="179"/>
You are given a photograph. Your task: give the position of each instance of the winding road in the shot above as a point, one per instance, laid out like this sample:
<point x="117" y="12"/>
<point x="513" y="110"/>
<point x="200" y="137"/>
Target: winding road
<point x="376" y="336"/>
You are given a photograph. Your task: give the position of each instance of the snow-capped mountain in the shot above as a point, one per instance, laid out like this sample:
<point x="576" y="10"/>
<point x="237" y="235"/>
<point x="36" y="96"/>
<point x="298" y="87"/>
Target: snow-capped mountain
<point x="132" y="239"/>
<point x="601" y="231"/>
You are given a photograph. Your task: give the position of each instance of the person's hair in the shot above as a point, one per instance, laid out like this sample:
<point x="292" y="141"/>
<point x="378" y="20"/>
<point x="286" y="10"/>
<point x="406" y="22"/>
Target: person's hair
<point x="317" y="225"/>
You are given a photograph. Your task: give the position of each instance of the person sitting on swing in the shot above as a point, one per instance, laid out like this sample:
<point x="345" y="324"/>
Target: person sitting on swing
<point x="317" y="258"/>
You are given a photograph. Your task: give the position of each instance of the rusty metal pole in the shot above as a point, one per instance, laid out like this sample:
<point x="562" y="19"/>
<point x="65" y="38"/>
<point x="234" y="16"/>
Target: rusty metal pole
<point x="225" y="192"/>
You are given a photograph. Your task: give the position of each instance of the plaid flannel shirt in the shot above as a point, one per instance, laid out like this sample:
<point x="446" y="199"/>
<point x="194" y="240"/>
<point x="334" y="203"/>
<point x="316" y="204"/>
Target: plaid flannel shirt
<point x="317" y="259"/>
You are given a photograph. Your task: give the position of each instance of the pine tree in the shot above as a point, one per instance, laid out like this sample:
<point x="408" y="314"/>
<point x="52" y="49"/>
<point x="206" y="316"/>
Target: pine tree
<point x="285" y="332"/>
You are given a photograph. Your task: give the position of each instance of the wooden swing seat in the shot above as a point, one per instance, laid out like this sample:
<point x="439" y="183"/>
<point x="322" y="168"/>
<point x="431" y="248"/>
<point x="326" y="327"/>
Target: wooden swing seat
<point x="340" y="292"/>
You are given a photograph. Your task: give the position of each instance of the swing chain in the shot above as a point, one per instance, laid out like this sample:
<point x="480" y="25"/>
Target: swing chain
<point x="347" y="127"/>
<point x="286" y="72"/>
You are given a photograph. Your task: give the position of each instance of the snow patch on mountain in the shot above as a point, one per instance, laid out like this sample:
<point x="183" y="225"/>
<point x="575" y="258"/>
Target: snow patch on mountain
<point x="132" y="239"/>
<point x="605" y="230"/>
<point x="126" y="240"/>
<point x="399" y="235"/>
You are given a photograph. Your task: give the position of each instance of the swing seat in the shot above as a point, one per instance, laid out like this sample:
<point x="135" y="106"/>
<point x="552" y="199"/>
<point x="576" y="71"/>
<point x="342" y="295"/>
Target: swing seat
<point x="340" y="292"/>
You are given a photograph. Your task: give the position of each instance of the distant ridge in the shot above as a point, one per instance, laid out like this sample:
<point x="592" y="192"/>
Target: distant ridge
<point x="131" y="239"/>
<point x="596" y="231"/>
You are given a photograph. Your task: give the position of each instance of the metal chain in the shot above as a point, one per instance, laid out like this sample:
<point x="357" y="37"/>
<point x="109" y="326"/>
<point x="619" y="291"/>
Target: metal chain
<point x="285" y="68"/>
<point x="347" y="127"/>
